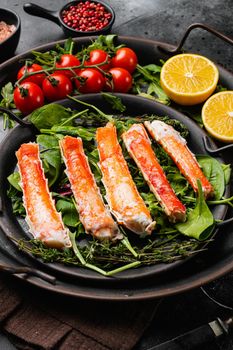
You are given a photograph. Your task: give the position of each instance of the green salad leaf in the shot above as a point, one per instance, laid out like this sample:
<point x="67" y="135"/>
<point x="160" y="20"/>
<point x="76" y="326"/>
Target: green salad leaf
<point x="214" y="172"/>
<point x="114" y="101"/>
<point x="14" y="180"/>
<point x="227" y="172"/>
<point x="50" y="156"/>
<point x="200" y="221"/>
<point x="69" y="212"/>
<point x="49" y="115"/>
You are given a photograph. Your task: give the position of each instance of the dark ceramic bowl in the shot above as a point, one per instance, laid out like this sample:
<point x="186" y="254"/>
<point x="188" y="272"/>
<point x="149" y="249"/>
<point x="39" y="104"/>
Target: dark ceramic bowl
<point x="56" y="17"/>
<point x="8" y="46"/>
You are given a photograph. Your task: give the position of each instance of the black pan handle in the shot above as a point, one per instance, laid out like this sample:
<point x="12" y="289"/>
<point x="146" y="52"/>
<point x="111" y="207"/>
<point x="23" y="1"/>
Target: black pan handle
<point x="27" y="270"/>
<point x="17" y="119"/>
<point x="187" y="32"/>
<point x="214" y="151"/>
<point x="35" y="10"/>
<point x="224" y="222"/>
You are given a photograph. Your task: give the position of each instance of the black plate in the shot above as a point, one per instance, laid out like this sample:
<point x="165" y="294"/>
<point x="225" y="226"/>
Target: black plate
<point x="135" y="106"/>
<point x="217" y="261"/>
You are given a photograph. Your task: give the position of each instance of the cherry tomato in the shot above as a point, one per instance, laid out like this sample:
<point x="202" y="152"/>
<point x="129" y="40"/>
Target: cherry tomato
<point x="37" y="78"/>
<point x="56" y="87"/>
<point x="121" y="80"/>
<point x="68" y="60"/>
<point x="99" y="56"/>
<point x="125" y="58"/>
<point x="93" y="81"/>
<point x="28" y="97"/>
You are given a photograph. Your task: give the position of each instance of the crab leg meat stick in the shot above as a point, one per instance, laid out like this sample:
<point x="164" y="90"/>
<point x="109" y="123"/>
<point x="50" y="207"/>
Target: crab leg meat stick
<point x="139" y="147"/>
<point x="45" y="223"/>
<point x="121" y="193"/>
<point x="93" y="213"/>
<point x="177" y="149"/>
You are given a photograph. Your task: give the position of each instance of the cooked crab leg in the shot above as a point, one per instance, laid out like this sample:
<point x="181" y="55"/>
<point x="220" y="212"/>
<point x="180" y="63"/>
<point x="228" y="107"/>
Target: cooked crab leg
<point x="177" y="149"/>
<point x="94" y="215"/>
<point x="139" y="147"/>
<point x="122" y="195"/>
<point x="44" y="221"/>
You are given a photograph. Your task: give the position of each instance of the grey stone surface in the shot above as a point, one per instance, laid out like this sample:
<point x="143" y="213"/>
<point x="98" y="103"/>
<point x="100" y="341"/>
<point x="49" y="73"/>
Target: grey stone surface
<point x="163" y="20"/>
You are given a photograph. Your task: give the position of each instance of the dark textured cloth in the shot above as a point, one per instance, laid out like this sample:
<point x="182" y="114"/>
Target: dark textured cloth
<point x="33" y="320"/>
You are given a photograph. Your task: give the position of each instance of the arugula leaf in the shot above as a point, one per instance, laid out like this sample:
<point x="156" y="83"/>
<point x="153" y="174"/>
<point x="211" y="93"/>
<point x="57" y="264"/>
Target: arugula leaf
<point x="178" y="183"/>
<point x="153" y="68"/>
<point x="103" y="42"/>
<point x="68" y="46"/>
<point x="85" y="134"/>
<point x="16" y="199"/>
<point x="200" y="221"/>
<point x="155" y="88"/>
<point x="147" y="82"/>
<point x="213" y="171"/>
<point x="49" y="115"/>
<point x="45" y="58"/>
<point x="7" y="102"/>
<point x="7" y="94"/>
<point x="114" y="101"/>
<point x="69" y="212"/>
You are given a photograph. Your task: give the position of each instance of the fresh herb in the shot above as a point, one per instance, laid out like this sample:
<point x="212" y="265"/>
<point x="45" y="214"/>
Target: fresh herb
<point x="7" y="102"/>
<point x="147" y="83"/>
<point x="49" y="115"/>
<point x="227" y="172"/>
<point x="167" y="244"/>
<point x="14" y="180"/>
<point x="107" y="256"/>
<point x="50" y="156"/>
<point x="114" y="101"/>
<point x="69" y="211"/>
<point x="77" y="131"/>
<point x="16" y="200"/>
<point x="200" y="221"/>
<point x="214" y="173"/>
<point x="103" y="42"/>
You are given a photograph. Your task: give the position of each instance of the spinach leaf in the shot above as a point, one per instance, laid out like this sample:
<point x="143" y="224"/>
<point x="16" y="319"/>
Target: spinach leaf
<point x="50" y="156"/>
<point x="49" y="115"/>
<point x="200" y="221"/>
<point x="213" y="171"/>
<point x="14" y="180"/>
<point x="227" y="172"/>
<point x="52" y="160"/>
<point x="68" y="211"/>
<point x="47" y="141"/>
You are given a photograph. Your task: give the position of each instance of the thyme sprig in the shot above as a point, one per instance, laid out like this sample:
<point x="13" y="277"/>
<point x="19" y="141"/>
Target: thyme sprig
<point x="110" y="257"/>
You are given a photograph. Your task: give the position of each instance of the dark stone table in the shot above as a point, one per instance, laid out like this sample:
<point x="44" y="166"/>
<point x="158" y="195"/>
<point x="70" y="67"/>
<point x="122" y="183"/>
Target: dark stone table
<point x="163" y="20"/>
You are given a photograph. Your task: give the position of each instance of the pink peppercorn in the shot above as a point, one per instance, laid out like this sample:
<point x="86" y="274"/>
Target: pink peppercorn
<point x="86" y="16"/>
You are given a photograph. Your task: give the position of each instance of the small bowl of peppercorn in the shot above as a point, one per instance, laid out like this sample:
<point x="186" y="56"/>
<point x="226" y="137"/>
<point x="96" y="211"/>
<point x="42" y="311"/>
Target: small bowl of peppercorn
<point x="79" y="17"/>
<point x="9" y="33"/>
